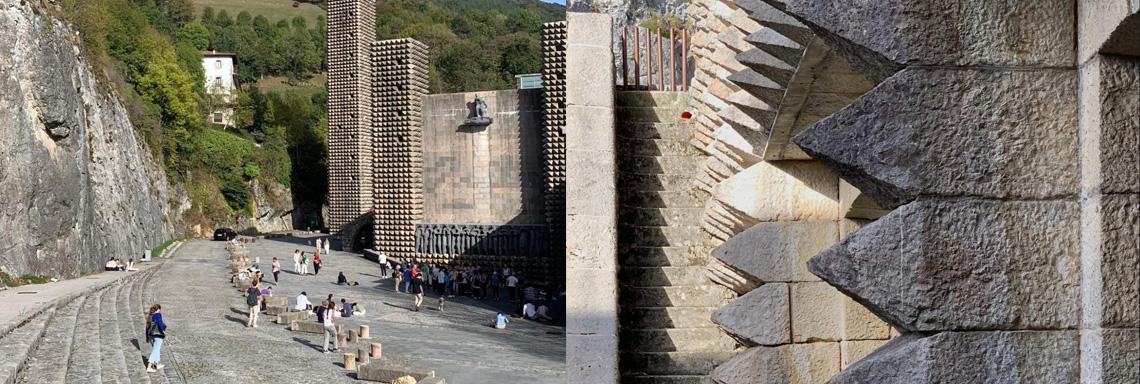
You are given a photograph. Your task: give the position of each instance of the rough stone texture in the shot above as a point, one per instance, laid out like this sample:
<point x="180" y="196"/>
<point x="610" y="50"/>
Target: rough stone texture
<point x="976" y="132"/>
<point x="483" y="175"/>
<point x="963" y="33"/>
<point x="1105" y="26"/>
<point x="817" y="313"/>
<point x="969" y="357"/>
<point x="855" y="350"/>
<point x="860" y="324"/>
<point x="760" y="317"/>
<point x="1120" y="261"/>
<point x="772" y="191"/>
<point x="967" y="264"/>
<point x="1119" y="99"/>
<point x="79" y="183"/>
<point x="787" y="247"/>
<point x="352" y="23"/>
<point x="591" y="202"/>
<point x="813" y="363"/>
<point x="388" y="371"/>
<point x="1121" y="352"/>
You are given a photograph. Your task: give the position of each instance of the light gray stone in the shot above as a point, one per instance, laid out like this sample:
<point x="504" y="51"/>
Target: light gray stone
<point x="964" y="265"/>
<point x="964" y="33"/>
<point x="1120" y="261"/>
<point x="1106" y="21"/>
<point x="388" y="371"/>
<point x="956" y="132"/>
<point x="786" y="364"/>
<point x="79" y="182"/>
<point x="1119" y="123"/>
<point x="1121" y="356"/>
<point x="817" y="312"/>
<point x="778" y="251"/>
<point x="971" y="357"/>
<point x="760" y="317"/>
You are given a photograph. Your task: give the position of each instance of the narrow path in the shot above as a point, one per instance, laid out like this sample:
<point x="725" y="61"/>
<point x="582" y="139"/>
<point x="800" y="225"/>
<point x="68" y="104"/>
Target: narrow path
<point x="207" y="319"/>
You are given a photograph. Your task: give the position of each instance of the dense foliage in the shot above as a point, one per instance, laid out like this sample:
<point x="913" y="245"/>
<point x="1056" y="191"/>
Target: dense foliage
<point x="151" y="53"/>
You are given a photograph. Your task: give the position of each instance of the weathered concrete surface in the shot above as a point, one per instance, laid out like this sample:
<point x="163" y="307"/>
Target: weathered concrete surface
<point x="388" y="371"/>
<point x="79" y="184"/>
<point x="214" y="346"/>
<point x="964" y="265"/>
<point x="970" y="357"/>
<point x="1107" y="26"/>
<point x="955" y="132"/>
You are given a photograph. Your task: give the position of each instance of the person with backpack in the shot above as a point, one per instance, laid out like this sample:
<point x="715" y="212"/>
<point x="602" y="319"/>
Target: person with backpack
<point x="155" y="334"/>
<point x="253" y="300"/>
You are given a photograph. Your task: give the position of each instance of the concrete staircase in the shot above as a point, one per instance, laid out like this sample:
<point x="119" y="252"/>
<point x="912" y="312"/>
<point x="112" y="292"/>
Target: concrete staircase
<point x="86" y="338"/>
<point x="666" y="300"/>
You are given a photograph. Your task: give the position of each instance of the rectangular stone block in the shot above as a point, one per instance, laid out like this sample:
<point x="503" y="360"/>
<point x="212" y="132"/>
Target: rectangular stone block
<point x="1121" y="356"/>
<point x="388" y="371"/>
<point x="1120" y="261"/>
<point x="592" y="306"/>
<point x="860" y="324"/>
<point x="591" y="358"/>
<point x="817" y="312"/>
<point x="759" y="317"/>
<point x="812" y="363"/>
<point x="787" y="247"/>
<point x="277" y="300"/>
<point x="591" y="183"/>
<point x="274" y="310"/>
<point x="855" y="350"/>
<point x="590" y="128"/>
<point x="310" y="327"/>
<point x="432" y="380"/>
<point x="289" y="317"/>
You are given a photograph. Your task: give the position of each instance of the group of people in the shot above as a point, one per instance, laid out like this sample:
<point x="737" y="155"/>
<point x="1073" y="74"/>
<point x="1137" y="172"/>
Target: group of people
<point x="115" y="264"/>
<point x="464" y="281"/>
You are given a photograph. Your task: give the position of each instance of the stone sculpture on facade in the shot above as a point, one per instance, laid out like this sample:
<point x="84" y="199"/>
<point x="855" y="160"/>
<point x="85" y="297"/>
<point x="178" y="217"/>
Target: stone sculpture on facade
<point x="479" y="115"/>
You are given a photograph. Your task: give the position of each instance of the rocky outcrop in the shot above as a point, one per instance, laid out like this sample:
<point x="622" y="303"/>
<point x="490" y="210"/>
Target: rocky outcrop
<point x="79" y="185"/>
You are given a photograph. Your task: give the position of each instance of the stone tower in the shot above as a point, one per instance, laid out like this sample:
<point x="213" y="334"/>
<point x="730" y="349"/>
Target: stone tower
<point x="351" y="30"/>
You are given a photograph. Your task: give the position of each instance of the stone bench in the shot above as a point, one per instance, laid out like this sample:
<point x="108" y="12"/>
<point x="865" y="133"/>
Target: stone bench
<point x="310" y="327"/>
<point x="274" y="310"/>
<point x="277" y="301"/>
<point x="388" y="371"/>
<point x="289" y="317"/>
<point x="432" y="380"/>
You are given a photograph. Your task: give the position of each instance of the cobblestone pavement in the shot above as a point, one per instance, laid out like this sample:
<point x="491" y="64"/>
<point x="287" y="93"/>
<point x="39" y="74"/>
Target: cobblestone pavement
<point x="211" y="344"/>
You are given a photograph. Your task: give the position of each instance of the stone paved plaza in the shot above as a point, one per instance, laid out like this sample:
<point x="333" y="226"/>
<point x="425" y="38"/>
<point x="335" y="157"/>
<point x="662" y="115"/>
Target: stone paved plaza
<point x="212" y="345"/>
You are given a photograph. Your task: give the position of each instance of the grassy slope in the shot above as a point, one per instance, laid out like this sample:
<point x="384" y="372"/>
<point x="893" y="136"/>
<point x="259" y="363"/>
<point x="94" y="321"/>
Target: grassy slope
<point x="272" y="9"/>
<point x="308" y="88"/>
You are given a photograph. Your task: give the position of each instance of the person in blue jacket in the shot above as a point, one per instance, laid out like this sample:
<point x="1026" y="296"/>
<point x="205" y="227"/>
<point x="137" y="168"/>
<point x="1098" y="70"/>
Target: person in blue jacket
<point x="155" y="334"/>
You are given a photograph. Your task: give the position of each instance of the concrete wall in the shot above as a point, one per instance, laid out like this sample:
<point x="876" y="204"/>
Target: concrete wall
<point x="483" y="175"/>
<point x="591" y="202"/>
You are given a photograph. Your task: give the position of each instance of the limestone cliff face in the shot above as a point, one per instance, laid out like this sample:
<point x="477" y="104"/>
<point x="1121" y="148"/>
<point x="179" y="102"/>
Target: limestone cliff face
<point x="77" y="182"/>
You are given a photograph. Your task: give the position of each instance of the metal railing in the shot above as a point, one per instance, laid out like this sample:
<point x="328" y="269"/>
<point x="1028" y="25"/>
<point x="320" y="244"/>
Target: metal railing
<point x="654" y="60"/>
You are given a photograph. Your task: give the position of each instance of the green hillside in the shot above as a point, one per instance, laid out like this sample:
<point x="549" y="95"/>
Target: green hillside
<point x="272" y="9"/>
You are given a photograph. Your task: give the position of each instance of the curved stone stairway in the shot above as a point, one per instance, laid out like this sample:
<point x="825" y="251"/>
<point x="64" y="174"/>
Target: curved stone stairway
<point x="93" y="337"/>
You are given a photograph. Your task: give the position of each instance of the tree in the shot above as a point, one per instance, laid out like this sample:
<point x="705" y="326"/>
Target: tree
<point x="195" y="34"/>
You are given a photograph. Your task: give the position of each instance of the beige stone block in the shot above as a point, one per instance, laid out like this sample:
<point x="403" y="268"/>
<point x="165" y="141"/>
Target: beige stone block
<point x="589" y="77"/>
<point x="813" y="363"/>
<point x="591" y="242"/>
<point x="589" y="28"/>
<point x="590" y="128"/>
<point x="855" y="350"/>
<point x="1120" y="260"/>
<point x="782" y="191"/>
<point x="817" y="312"/>
<point x="591" y="301"/>
<point x="591" y="358"/>
<point x="591" y="182"/>
<point x="760" y="317"/>
<point x="786" y="248"/>
<point x="860" y="324"/>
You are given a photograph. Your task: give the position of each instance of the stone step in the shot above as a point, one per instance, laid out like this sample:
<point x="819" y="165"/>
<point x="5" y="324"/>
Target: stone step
<point x="675" y="340"/>
<point x="662" y="199"/>
<point x="668" y="115"/>
<point x="677" y="256"/>
<point x="662" y="236"/>
<point x="666" y="317"/>
<point x="651" y="130"/>
<point x="84" y="364"/>
<point x="675" y="379"/>
<point x="672" y="363"/>
<point x="658" y="99"/>
<point x="54" y="349"/>
<point x="675" y="296"/>
<point x="656" y="147"/>
<point x="129" y="335"/>
<point x="656" y="182"/>
<point x="647" y="217"/>
<point x="777" y="45"/>
<point x="114" y="366"/>
<point x="662" y="276"/>
<point x="768" y="65"/>
<point x="662" y="165"/>
<point x="17" y="345"/>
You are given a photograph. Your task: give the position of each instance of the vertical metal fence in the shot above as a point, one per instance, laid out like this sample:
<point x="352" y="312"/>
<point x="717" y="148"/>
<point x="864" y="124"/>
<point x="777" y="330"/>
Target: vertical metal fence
<point x="655" y="60"/>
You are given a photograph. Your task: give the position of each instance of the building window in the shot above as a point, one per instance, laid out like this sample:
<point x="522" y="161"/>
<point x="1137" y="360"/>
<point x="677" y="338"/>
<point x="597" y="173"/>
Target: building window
<point x="218" y="81"/>
<point x="218" y="64"/>
<point x="217" y="117"/>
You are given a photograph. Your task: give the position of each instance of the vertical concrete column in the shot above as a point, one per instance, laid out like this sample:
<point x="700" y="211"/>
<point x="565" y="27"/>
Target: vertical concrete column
<point x="591" y="202"/>
<point x="351" y="31"/>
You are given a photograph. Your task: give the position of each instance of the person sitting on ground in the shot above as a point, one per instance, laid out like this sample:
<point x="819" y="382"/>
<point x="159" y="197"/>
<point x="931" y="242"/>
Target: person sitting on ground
<point x="266" y="292"/>
<point x="303" y="303"/>
<point x="501" y="321"/>
<point x="131" y="265"/>
<point x="110" y="266"/>
<point x="543" y="314"/>
<point x="347" y="309"/>
<point x="344" y="281"/>
<point x="528" y="311"/>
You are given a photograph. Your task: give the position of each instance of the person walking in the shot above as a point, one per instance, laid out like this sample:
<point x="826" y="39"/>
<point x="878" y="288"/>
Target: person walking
<point x="317" y="263"/>
<point x="512" y="287"/>
<point x="330" y="326"/>
<point x="407" y="279"/>
<point x="276" y="270"/>
<point x="297" y="261"/>
<point x="155" y="334"/>
<point x="496" y="284"/>
<point x="398" y="276"/>
<point x="383" y="259"/>
<point x="318" y="245"/>
<point x="328" y="246"/>
<point x="304" y="264"/>
<point x="253" y="300"/>
<point x="418" y="290"/>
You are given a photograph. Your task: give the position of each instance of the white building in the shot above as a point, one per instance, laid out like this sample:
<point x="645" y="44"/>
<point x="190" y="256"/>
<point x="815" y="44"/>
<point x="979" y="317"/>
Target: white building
<point x="221" y="83"/>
